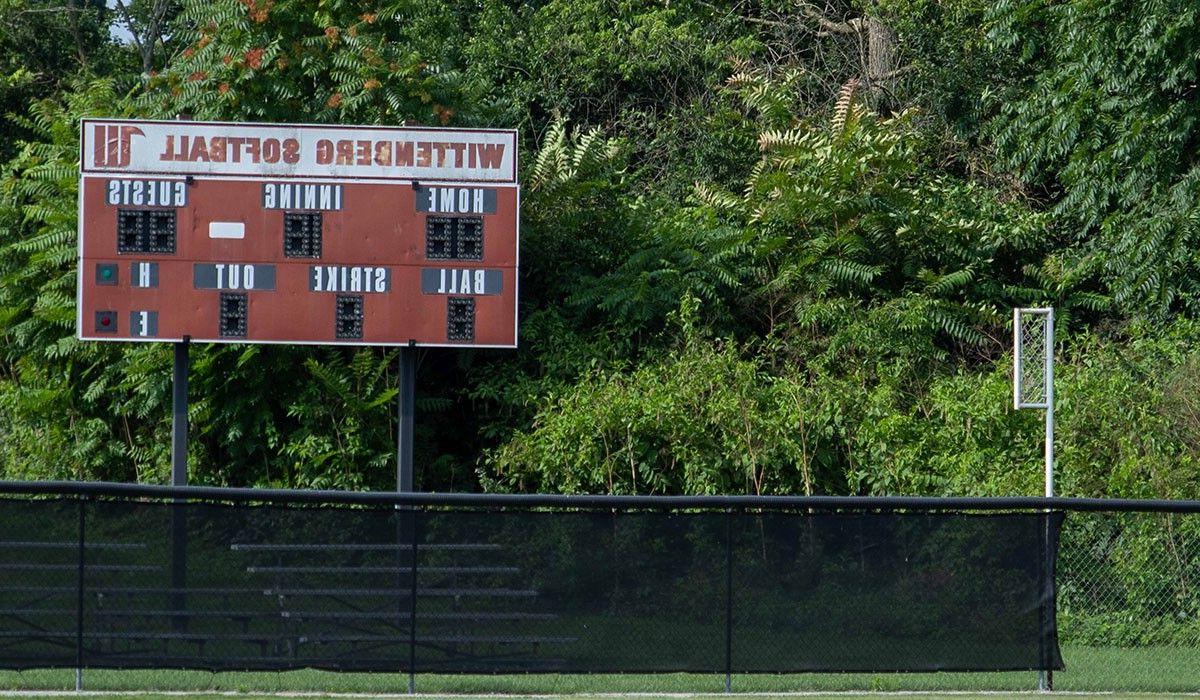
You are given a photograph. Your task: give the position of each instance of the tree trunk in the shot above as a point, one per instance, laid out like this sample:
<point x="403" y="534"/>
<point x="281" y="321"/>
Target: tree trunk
<point x="881" y="55"/>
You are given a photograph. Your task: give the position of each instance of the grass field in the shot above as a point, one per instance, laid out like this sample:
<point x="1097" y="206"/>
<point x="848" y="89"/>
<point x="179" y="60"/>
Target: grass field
<point x="842" y="696"/>
<point x="1094" y="670"/>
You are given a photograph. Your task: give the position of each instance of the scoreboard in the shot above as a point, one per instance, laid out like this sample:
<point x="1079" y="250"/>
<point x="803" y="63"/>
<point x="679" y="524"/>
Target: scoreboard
<point x="274" y="233"/>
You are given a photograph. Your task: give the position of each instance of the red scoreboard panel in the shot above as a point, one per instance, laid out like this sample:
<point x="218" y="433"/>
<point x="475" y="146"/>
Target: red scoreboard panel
<point x="269" y="233"/>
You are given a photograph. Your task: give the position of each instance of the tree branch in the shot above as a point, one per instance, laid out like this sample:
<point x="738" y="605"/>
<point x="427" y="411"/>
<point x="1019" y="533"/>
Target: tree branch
<point x="898" y="72"/>
<point x="137" y="42"/>
<point x="39" y="10"/>
<point x="753" y="20"/>
<point x="827" y="25"/>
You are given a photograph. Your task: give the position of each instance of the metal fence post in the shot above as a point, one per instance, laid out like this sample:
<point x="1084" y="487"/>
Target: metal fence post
<point x="1048" y="592"/>
<point x="1042" y="608"/>
<point x="79" y="605"/>
<point x="728" y="600"/>
<point x="412" y="606"/>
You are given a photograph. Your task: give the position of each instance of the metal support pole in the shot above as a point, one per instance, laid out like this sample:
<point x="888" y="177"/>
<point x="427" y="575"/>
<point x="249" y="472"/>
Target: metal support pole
<point x="1050" y="404"/>
<point x="179" y="417"/>
<point x="179" y="477"/>
<point x="1046" y="677"/>
<point x="728" y="601"/>
<point x="404" y="437"/>
<point x="404" y="484"/>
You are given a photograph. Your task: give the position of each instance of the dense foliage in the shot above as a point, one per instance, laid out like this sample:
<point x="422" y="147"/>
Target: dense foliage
<point x="767" y="247"/>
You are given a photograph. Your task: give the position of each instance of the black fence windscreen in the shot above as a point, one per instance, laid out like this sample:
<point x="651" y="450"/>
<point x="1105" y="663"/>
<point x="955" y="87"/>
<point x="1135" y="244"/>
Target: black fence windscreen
<point x="123" y="583"/>
<point x="894" y="592"/>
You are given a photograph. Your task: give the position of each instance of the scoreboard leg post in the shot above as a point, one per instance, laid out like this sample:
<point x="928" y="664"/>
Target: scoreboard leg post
<point x="179" y="477"/>
<point x="404" y="437"/>
<point x="179" y="417"/>
<point x="404" y="484"/>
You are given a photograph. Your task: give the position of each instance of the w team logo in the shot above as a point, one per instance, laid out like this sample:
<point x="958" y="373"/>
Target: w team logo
<point x="111" y="145"/>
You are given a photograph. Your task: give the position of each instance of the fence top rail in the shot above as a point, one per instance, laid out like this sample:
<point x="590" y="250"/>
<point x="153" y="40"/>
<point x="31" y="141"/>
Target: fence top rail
<point x="98" y="489"/>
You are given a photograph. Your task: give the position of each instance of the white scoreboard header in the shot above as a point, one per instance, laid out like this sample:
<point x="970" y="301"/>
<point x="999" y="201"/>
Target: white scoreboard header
<point x="111" y="146"/>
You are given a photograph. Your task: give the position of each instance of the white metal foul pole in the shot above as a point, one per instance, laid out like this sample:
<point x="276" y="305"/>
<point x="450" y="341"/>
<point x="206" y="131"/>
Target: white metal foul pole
<point x="1033" y="387"/>
<point x="1049" y="403"/>
<point x="1033" y="372"/>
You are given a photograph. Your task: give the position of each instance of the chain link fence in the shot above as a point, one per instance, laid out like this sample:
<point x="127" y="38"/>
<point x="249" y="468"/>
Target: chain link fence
<point x="1130" y="580"/>
<point x="1129" y="601"/>
<point x="868" y="588"/>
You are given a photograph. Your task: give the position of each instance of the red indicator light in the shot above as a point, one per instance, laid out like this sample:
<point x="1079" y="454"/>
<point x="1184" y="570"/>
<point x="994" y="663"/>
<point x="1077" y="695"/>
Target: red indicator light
<point x="106" y="321"/>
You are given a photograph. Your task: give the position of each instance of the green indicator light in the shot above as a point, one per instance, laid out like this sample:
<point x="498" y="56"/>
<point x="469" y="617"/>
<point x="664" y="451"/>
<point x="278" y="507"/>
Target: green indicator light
<point x="106" y="273"/>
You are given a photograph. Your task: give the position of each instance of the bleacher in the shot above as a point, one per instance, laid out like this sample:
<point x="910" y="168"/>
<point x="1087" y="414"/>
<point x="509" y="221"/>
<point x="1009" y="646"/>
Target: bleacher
<point x="265" y="603"/>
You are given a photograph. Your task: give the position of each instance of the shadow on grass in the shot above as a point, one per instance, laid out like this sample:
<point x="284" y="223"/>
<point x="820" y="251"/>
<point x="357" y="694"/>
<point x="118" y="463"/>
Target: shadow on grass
<point x="1147" y="669"/>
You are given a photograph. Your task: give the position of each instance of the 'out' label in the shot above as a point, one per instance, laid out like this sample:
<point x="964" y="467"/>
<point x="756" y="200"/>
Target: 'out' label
<point x="233" y="276"/>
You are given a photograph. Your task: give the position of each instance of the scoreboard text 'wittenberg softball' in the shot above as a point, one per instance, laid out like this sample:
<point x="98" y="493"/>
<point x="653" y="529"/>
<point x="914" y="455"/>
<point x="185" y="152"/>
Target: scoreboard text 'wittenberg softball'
<point x="285" y="233"/>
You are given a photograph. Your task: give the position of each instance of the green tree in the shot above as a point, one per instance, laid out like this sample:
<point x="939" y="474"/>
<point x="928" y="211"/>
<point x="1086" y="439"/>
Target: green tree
<point x="698" y="418"/>
<point x="286" y="61"/>
<point x="71" y="409"/>
<point x="1103" y="128"/>
<point x="43" y="47"/>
